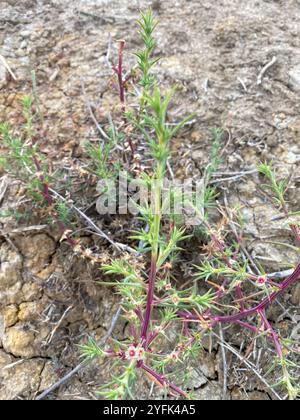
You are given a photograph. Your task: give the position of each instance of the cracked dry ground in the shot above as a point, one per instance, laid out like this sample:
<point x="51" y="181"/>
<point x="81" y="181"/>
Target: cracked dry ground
<point x="213" y="51"/>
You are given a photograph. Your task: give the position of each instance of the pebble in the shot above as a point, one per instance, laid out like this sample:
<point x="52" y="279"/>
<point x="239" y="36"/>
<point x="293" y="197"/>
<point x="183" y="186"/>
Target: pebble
<point x="294" y="74"/>
<point x="23" y="45"/>
<point x="2" y="327"/>
<point x="296" y="295"/>
<point x="2" y="75"/>
<point x="20" y="53"/>
<point x="198" y="155"/>
<point x="25" y="34"/>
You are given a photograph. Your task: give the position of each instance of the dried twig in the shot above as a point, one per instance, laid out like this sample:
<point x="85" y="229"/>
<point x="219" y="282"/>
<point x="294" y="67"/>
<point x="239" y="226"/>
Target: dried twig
<point x="108" y="19"/>
<point x="89" y="107"/>
<point x="243" y="84"/>
<point x="248" y="364"/>
<point x="3" y="188"/>
<point x="26" y="229"/>
<point x="58" y="324"/>
<point x="280" y="274"/>
<point x="224" y="363"/>
<point x="92" y="225"/>
<point x="107" y="57"/>
<point x="265" y="69"/>
<point x="5" y="63"/>
<point x="170" y="171"/>
<point x="13" y="364"/>
<point x="11" y="243"/>
<point x="233" y="178"/>
<point x="206" y="85"/>
<point x="243" y="248"/>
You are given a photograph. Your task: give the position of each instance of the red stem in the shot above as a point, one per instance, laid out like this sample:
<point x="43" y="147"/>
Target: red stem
<point x="272" y="334"/>
<point x="139" y="314"/>
<point x="122" y="83"/>
<point x="240" y="296"/>
<point x="119" y="72"/>
<point x="249" y="327"/>
<point x="150" y="296"/>
<point x="162" y="380"/>
<point x="293" y="278"/>
<point x="155" y="334"/>
<point x="120" y="75"/>
<point x="264" y="304"/>
<point x="296" y="232"/>
<point x="50" y="202"/>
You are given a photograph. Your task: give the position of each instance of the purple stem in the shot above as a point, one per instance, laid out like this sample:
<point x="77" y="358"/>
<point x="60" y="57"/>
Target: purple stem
<point x="257" y="309"/>
<point x="295" y="230"/>
<point x="122" y="83"/>
<point x="139" y="314"/>
<point x="273" y="334"/>
<point x="155" y="334"/>
<point x="248" y="326"/>
<point x="50" y="202"/>
<point x="240" y="296"/>
<point x="119" y="72"/>
<point x="162" y="380"/>
<point x="264" y="304"/>
<point x="150" y="295"/>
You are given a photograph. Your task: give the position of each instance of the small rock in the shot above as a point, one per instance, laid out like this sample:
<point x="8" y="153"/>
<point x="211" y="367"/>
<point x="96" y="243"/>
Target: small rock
<point x="37" y="251"/>
<point x="2" y="75"/>
<point x="156" y="5"/>
<point x="296" y="333"/>
<point x="10" y="314"/>
<point x="54" y="57"/>
<point x="10" y="275"/>
<point x="294" y="74"/>
<point x="54" y="75"/>
<point x="212" y="392"/>
<point x="2" y="327"/>
<point x="248" y="188"/>
<point x="237" y="394"/>
<point x="12" y="295"/>
<point x="21" y="380"/>
<point x="198" y="156"/>
<point x="196" y="379"/>
<point x="296" y="295"/>
<point x="31" y="291"/>
<point x="23" y="45"/>
<point x="5" y="359"/>
<point x="19" y="342"/>
<point x="25" y="34"/>
<point x="10" y="99"/>
<point x="64" y="62"/>
<point x="274" y="312"/>
<point x="208" y="365"/>
<point x="29" y="311"/>
<point x="10" y="266"/>
<point x="20" y="53"/>
<point x="48" y="377"/>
